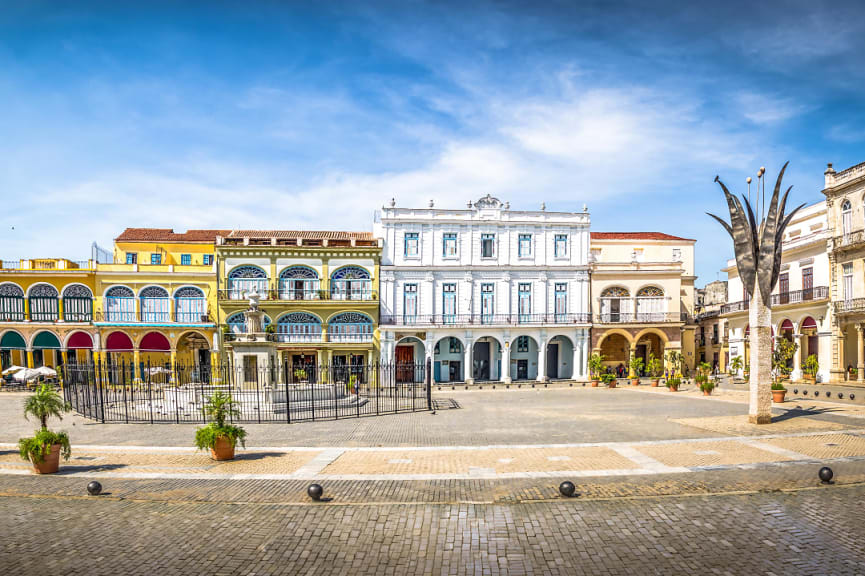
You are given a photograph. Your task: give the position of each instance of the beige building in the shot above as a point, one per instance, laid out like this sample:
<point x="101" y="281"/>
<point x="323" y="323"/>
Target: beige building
<point x="642" y="295"/>
<point x="709" y="336"/>
<point x="845" y="201"/>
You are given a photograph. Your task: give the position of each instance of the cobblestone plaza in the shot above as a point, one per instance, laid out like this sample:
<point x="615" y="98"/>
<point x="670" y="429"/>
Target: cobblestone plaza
<point x="682" y="485"/>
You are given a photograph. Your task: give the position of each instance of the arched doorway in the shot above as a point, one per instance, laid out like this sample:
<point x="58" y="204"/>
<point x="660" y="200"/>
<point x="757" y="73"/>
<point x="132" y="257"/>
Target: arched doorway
<point x="486" y="359"/>
<point x="560" y="358"/>
<point x="299" y="283"/>
<point x="615" y="349"/>
<point x="351" y="283"/>
<point x="649" y="345"/>
<point x="246" y="278"/>
<point x="810" y="340"/>
<point x="616" y="305"/>
<point x="409" y="359"/>
<point x="193" y="349"/>
<point x="448" y="360"/>
<point x="786" y="332"/>
<point x="79" y="348"/>
<point x="12" y="350"/>
<point x="46" y="349"/>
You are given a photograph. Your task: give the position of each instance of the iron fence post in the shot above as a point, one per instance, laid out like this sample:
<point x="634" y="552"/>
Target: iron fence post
<point x="428" y="382"/>
<point x="285" y="383"/>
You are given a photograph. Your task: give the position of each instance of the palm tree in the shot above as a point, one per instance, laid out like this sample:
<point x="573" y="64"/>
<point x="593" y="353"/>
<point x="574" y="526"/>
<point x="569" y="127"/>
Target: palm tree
<point x="44" y="404"/>
<point x="736" y="364"/>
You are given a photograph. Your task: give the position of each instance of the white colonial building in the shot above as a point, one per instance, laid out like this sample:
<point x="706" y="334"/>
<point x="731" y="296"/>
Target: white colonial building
<point x="800" y="300"/>
<point x="485" y="292"/>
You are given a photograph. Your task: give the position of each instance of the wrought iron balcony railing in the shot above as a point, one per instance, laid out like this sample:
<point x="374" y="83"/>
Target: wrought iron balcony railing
<point x="739" y="306"/>
<point x="483" y="319"/>
<point x="146" y="317"/>
<point x="296" y="295"/>
<point x="797" y="296"/>
<point x="640" y="317"/>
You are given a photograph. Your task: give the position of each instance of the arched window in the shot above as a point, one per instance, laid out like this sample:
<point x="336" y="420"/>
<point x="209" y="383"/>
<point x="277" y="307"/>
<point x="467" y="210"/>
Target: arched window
<point x="846" y="218"/>
<point x="298" y="327"/>
<point x="190" y="306"/>
<point x="77" y="304"/>
<point x="44" y="303"/>
<point x="650" y="304"/>
<point x="237" y="323"/>
<point x="616" y="305"/>
<point x="155" y="304"/>
<point x="119" y="304"/>
<point x="351" y="283"/>
<point x="11" y="303"/>
<point x="350" y="327"/>
<point x="244" y="279"/>
<point x="299" y="283"/>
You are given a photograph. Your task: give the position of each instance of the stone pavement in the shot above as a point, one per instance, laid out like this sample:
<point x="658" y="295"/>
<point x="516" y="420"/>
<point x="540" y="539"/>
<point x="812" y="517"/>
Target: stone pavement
<point x="816" y="531"/>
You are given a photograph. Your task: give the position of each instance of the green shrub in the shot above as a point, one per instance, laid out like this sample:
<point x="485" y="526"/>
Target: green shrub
<point x="655" y="366"/>
<point x="596" y="364"/>
<point x="674" y="383"/>
<point x="636" y="366"/>
<point x="608" y="378"/>
<point x="811" y="365"/>
<point x="707" y="385"/>
<point x="43" y="404"/>
<point x="219" y="407"/>
<point x="38" y="447"/>
<point x="777" y="386"/>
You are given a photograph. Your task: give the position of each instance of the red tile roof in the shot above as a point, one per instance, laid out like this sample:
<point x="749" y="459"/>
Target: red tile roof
<point x="169" y="235"/>
<point x="303" y="234"/>
<point x="637" y="236"/>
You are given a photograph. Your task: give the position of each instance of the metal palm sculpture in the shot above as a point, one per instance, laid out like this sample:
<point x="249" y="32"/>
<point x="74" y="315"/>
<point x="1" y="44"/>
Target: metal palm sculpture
<point x="758" y="259"/>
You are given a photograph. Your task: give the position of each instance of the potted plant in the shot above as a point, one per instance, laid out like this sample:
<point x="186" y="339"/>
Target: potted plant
<point x="217" y="436"/>
<point x="596" y="366"/>
<point x="736" y="364"/>
<point x="784" y="351"/>
<point x="636" y="368"/>
<point x="352" y="384"/>
<point x="45" y="448"/>
<point x="810" y="367"/>
<point x="702" y="378"/>
<point x="300" y="374"/>
<point x="673" y="384"/>
<point x="609" y="380"/>
<point x="655" y="367"/>
<point x="778" y="392"/>
<point x="675" y="359"/>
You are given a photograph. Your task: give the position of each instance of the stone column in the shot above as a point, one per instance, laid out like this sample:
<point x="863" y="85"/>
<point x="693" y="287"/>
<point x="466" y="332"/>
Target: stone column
<point x="30" y="358"/>
<point x="760" y="393"/>
<point x="577" y="362"/>
<point x="505" y="376"/>
<point x="632" y="353"/>
<point x="136" y="362"/>
<point x="860" y="353"/>
<point x="797" y="357"/>
<point x="542" y="361"/>
<point x="468" y="369"/>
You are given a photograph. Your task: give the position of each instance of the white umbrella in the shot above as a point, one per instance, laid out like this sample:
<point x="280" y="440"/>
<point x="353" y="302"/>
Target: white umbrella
<point x="12" y="370"/>
<point x="46" y="371"/>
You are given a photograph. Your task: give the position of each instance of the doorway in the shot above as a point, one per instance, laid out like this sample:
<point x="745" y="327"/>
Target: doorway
<point x="553" y="360"/>
<point x="482" y="361"/>
<point x="522" y="369"/>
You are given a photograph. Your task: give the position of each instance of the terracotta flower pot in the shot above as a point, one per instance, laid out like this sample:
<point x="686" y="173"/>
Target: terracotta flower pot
<point x="613" y="384"/>
<point x="707" y="392"/>
<point x="778" y="396"/>
<point x="595" y="383"/>
<point x="655" y="383"/>
<point x="50" y="464"/>
<point x="224" y="449"/>
<point x="673" y="388"/>
<point x="635" y="382"/>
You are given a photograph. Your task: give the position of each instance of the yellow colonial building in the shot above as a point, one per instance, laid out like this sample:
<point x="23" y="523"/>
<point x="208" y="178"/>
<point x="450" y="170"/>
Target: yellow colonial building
<point x="642" y="296"/>
<point x="46" y="311"/>
<point x="318" y="292"/>
<point x="156" y="302"/>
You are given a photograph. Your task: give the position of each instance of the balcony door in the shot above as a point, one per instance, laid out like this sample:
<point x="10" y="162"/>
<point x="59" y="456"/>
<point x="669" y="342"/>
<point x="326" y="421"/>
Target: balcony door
<point x="807" y="284"/>
<point x="784" y="288"/>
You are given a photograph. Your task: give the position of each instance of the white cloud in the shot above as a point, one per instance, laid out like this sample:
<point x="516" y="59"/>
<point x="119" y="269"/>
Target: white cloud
<point x="763" y="109"/>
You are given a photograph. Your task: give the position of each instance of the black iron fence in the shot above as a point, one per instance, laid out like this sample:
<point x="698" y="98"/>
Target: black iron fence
<point x="284" y="393"/>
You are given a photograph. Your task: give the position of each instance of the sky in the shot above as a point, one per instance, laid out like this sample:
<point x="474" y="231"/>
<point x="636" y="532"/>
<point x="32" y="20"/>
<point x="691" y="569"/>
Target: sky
<point x="312" y="115"/>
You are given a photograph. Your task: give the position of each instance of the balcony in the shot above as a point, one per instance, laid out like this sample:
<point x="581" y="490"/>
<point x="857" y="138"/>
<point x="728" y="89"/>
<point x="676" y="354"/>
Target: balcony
<point x="640" y="317"/>
<point x="850" y="241"/>
<point x="126" y="310"/>
<point x="46" y="309"/>
<point x="852" y="306"/>
<point x="798" y="296"/>
<point x="732" y="307"/>
<point x="483" y="319"/>
<point x="305" y="295"/>
<point x="782" y="299"/>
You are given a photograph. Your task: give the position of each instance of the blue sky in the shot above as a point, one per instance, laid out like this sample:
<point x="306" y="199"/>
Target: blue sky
<point x="288" y="115"/>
